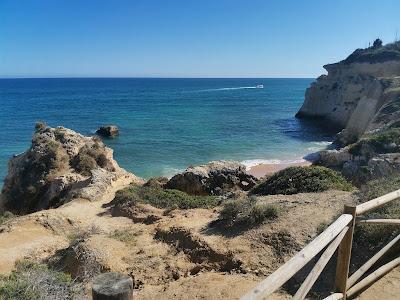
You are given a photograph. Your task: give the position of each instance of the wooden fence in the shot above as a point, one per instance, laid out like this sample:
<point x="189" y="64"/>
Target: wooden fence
<point x="339" y="235"/>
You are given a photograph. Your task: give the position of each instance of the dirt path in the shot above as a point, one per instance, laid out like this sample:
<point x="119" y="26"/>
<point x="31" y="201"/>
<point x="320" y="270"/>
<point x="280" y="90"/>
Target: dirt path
<point x="388" y="287"/>
<point x="176" y="257"/>
<point x="41" y="234"/>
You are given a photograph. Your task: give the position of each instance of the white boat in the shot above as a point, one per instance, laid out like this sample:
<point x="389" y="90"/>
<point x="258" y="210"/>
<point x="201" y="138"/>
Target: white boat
<point x="259" y="86"/>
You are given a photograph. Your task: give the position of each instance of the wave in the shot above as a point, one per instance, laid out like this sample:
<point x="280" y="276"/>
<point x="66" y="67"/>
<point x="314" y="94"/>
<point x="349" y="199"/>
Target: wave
<point x="170" y="171"/>
<point x="322" y="143"/>
<point x="255" y="162"/>
<point x="228" y="89"/>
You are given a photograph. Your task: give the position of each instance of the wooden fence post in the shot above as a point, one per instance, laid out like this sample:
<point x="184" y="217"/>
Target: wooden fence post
<point x="112" y="286"/>
<point x="344" y="254"/>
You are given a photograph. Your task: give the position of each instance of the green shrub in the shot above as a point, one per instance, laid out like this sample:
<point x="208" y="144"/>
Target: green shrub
<point x="383" y="140"/>
<point x="77" y="236"/>
<point x="5" y="216"/>
<point x="375" y="54"/>
<point x="247" y="211"/>
<point x="375" y="236"/>
<point x="377" y="188"/>
<point x="39" y="126"/>
<point x="127" y="236"/>
<point x="295" y="180"/>
<point x="156" y="182"/>
<point x="90" y="158"/>
<point x="35" y="281"/>
<point x="83" y="163"/>
<point x="163" y="198"/>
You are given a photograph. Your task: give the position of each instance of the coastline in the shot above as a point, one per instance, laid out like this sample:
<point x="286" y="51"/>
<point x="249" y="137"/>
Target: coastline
<point x="263" y="168"/>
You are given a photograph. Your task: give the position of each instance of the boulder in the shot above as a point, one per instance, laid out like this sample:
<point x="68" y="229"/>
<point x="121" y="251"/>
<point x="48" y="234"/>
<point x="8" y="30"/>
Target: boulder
<point x="60" y="165"/>
<point x="214" y="178"/>
<point x="108" y="131"/>
<point x="333" y="158"/>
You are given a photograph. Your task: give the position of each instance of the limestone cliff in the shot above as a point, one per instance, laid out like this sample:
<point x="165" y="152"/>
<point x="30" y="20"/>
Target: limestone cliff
<point x="61" y="164"/>
<point x="361" y="96"/>
<point x="356" y="91"/>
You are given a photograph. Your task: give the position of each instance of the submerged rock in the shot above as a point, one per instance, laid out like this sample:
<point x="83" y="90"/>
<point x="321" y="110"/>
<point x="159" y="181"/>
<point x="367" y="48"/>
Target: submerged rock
<point x="213" y="178"/>
<point x="108" y="131"/>
<point x="59" y="165"/>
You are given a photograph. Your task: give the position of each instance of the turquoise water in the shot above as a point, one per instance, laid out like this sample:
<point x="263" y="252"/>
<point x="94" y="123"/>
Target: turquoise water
<point x="165" y="124"/>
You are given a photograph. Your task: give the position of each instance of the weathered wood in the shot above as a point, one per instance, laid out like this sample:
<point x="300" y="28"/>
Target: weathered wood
<point x="335" y="296"/>
<point x="378" y="221"/>
<point x="377" y="202"/>
<point x="371" y="278"/>
<point x="285" y="272"/>
<point x="112" y="286"/>
<point x="365" y="267"/>
<point x="319" y="267"/>
<point x="344" y="254"/>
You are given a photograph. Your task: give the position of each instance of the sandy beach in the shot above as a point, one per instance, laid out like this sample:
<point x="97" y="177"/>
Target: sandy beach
<point x="263" y="169"/>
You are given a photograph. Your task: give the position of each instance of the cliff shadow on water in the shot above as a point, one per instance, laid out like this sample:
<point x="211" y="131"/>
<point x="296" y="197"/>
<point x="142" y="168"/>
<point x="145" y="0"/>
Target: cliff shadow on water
<point x="307" y="130"/>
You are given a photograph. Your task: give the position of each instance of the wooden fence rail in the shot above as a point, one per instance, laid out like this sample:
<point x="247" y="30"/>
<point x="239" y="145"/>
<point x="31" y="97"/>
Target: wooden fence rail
<point x="339" y="235"/>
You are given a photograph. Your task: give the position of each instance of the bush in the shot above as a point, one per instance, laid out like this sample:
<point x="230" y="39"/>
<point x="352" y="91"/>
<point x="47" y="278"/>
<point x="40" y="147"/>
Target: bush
<point x="383" y="140"/>
<point x="90" y="158"/>
<point x="79" y="235"/>
<point x="127" y="236"/>
<point x="295" y="180"/>
<point x="247" y="212"/>
<point x="156" y="182"/>
<point x="375" y="236"/>
<point x="35" y="281"/>
<point x="83" y="163"/>
<point x="375" y="54"/>
<point x="40" y="126"/>
<point x="5" y="216"/>
<point x="163" y="198"/>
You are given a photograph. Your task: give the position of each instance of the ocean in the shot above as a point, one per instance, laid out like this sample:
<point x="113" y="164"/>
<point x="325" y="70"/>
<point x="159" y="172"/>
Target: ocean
<point x="166" y="124"/>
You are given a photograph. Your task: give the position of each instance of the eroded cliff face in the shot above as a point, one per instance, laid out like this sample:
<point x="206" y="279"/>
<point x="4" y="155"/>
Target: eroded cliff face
<point x="352" y="95"/>
<point x="60" y="165"/>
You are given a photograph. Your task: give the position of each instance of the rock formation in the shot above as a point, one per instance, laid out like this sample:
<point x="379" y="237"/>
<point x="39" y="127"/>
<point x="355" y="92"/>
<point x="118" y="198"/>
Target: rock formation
<point x="356" y="92"/>
<point x="361" y="96"/>
<point x="108" y="131"/>
<point x="212" y="178"/>
<point x="60" y="165"/>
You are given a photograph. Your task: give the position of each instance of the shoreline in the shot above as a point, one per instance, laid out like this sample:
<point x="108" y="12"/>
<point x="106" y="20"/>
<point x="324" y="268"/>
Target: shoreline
<point x="264" y="168"/>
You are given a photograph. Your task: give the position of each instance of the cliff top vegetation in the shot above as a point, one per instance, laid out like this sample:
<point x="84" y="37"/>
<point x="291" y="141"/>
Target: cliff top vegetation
<point x="376" y="53"/>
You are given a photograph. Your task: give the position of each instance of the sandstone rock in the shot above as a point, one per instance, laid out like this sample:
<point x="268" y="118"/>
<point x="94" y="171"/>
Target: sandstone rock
<point x="108" y="131"/>
<point x="60" y="165"/>
<point x="353" y="93"/>
<point x="212" y="179"/>
<point x="333" y="158"/>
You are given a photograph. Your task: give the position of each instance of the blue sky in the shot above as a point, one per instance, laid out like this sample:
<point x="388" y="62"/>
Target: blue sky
<point x="187" y="38"/>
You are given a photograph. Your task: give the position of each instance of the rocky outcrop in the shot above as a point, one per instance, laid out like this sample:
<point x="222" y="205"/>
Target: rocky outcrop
<point x="60" y="165"/>
<point x="212" y="179"/>
<point x="374" y="156"/>
<point x="108" y="131"/>
<point x="353" y="94"/>
<point x="361" y="97"/>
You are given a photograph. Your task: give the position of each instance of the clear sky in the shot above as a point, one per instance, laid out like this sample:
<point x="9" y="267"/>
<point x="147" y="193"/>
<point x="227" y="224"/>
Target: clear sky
<point x="187" y="38"/>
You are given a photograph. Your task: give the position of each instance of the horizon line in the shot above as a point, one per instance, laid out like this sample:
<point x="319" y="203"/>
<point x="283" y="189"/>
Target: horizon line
<point x="147" y="77"/>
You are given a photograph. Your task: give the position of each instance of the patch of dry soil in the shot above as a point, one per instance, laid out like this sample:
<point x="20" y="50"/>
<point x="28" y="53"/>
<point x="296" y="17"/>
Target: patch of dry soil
<point x="181" y="254"/>
<point x="388" y="287"/>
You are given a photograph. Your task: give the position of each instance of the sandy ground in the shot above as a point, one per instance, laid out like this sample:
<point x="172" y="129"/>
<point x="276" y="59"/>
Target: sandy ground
<point x="388" y="287"/>
<point x="181" y="255"/>
<point x="261" y="170"/>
